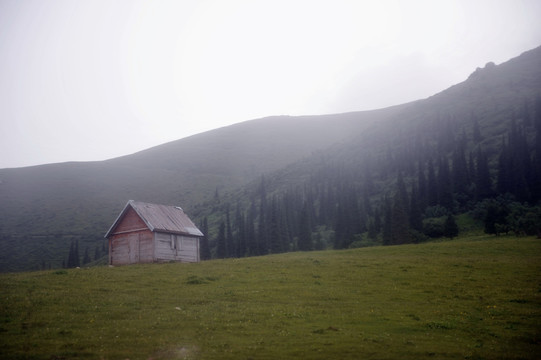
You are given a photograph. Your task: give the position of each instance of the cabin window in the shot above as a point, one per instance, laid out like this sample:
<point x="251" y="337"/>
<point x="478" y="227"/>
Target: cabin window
<point x="173" y="242"/>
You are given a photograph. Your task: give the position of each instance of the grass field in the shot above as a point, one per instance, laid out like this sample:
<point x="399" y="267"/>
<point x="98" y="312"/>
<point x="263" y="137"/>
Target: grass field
<point x="473" y="298"/>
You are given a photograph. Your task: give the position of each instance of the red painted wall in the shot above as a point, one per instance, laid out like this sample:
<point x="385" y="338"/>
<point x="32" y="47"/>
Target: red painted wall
<point x="130" y="221"/>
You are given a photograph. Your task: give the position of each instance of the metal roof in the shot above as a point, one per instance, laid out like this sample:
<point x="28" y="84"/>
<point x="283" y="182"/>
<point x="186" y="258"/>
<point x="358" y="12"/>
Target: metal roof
<point x="160" y="218"/>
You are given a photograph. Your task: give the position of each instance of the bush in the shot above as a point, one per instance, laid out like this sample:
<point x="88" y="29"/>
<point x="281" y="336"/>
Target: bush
<point x="524" y="219"/>
<point x="434" y="227"/>
<point x="418" y="237"/>
<point x="435" y="211"/>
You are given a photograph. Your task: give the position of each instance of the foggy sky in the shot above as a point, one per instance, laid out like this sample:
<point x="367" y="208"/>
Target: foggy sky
<point x="91" y="80"/>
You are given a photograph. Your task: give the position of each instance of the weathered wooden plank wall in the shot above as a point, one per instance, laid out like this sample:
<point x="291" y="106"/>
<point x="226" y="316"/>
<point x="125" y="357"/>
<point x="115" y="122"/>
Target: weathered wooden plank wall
<point x="171" y="247"/>
<point x="132" y="247"/>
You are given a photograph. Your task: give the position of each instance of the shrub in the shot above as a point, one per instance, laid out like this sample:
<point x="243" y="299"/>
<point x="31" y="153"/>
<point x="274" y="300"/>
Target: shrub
<point x="434" y="227"/>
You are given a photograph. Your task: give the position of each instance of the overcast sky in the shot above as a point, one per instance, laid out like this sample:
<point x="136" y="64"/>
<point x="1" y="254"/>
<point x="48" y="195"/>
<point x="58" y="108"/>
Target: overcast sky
<point x="91" y="80"/>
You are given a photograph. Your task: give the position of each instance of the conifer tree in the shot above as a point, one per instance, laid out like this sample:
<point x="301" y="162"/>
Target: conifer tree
<point x="251" y="237"/>
<point x="415" y="212"/>
<point x="377" y="221"/>
<point x="483" y="183"/>
<point x="340" y="227"/>
<point x="240" y="225"/>
<point x="450" y="228"/>
<point x="284" y="226"/>
<point x="537" y="114"/>
<point x="221" y="251"/>
<point x="305" y="234"/>
<point x="422" y="186"/>
<point x="460" y="170"/>
<point x="86" y="258"/>
<point x="76" y="255"/>
<point x="432" y="188"/>
<point x="399" y="216"/>
<point x="71" y="257"/>
<point x="445" y="191"/>
<point x="372" y="233"/>
<point x="229" y="245"/>
<point x="204" y="242"/>
<point x="386" y="230"/>
<point x="263" y="226"/>
<point x="275" y="236"/>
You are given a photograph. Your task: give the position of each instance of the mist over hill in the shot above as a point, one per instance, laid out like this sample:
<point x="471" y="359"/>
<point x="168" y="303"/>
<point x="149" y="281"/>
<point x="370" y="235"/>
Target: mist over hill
<point x="307" y="162"/>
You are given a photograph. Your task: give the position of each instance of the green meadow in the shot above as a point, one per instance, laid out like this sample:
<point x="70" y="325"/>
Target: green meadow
<point x="477" y="297"/>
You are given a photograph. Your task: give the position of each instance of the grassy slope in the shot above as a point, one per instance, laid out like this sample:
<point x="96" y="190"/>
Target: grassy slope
<point x="473" y="298"/>
<point x="56" y="202"/>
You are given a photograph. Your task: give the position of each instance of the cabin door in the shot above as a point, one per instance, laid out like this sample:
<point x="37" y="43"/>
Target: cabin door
<point x="133" y="248"/>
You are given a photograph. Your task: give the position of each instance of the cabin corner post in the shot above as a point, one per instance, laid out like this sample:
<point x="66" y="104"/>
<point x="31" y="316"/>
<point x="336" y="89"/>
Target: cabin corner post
<point x="109" y="241"/>
<point x="198" y="249"/>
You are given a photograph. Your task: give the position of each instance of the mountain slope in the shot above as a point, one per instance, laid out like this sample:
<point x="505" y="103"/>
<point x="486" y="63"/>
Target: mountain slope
<point x="44" y="208"/>
<point x="492" y="97"/>
<point x="476" y="141"/>
<point x="77" y="201"/>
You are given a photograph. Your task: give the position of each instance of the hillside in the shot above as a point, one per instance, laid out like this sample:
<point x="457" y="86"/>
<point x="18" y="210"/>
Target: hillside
<point x="473" y="149"/>
<point x="473" y="298"/>
<point x="45" y="207"/>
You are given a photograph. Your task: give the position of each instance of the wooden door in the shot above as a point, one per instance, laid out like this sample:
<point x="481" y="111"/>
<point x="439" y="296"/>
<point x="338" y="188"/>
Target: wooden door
<point x="133" y="248"/>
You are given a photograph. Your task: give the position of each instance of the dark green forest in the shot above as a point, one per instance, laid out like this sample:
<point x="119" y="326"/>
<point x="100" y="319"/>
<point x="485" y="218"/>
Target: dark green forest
<point x="405" y="194"/>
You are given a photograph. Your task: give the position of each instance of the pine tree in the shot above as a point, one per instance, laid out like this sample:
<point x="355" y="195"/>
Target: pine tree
<point x="399" y="222"/>
<point x="432" y="188"/>
<point x="263" y="226"/>
<point x="340" y="232"/>
<point x="229" y="245"/>
<point x="251" y="237"/>
<point x="372" y="233"/>
<point x="284" y="226"/>
<point x="221" y="251"/>
<point x="445" y="190"/>
<point x="386" y="230"/>
<point x="535" y="181"/>
<point x="204" y="242"/>
<point x="305" y="234"/>
<point x="460" y="170"/>
<point x="537" y="114"/>
<point x="86" y="258"/>
<point x="275" y="235"/>
<point x="503" y="184"/>
<point x="422" y="186"/>
<point x="71" y="257"/>
<point x="483" y="183"/>
<point x="76" y="255"/>
<point x="240" y="224"/>
<point x="415" y="213"/>
<point x="377" y="221"/>
<point x="450" y="228"/>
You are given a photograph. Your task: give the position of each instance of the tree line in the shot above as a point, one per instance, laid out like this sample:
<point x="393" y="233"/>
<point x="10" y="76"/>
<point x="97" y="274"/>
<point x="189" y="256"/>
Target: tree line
<point x="406" y="193"/>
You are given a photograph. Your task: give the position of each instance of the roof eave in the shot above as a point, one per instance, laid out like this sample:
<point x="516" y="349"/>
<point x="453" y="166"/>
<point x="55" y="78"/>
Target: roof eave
<point x="164" y="231"/>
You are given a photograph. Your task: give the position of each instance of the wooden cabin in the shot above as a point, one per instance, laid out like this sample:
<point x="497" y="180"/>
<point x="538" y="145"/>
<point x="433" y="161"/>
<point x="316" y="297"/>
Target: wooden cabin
<point x="144" y="233"/>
